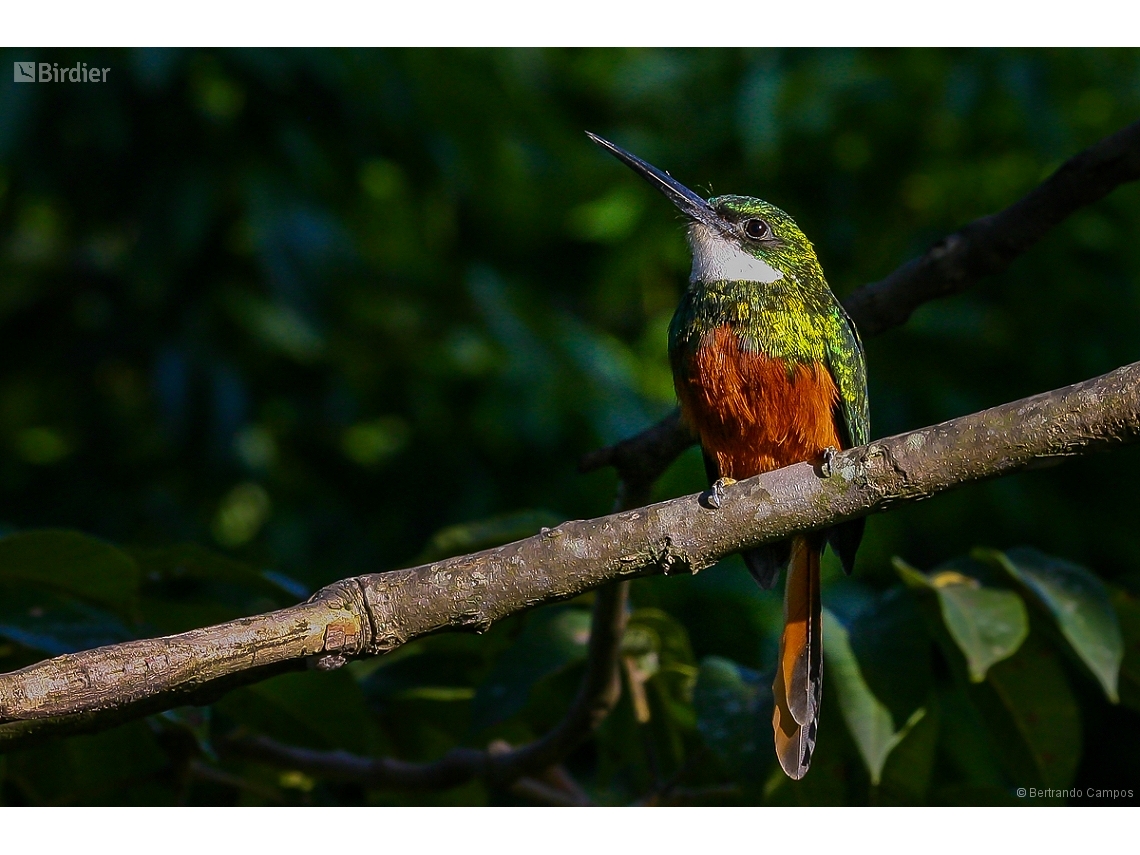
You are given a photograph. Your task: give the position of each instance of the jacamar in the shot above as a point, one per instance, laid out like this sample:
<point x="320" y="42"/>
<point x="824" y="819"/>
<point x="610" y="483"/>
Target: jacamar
<point x="769" y="371"/>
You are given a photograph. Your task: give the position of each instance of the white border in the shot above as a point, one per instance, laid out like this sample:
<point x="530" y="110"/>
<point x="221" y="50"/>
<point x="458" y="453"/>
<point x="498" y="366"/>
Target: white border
<point x="450" y="23"/>
<point x="567" y="831"/>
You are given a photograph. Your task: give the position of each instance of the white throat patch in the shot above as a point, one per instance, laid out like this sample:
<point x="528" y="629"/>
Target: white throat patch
<point x="718" y="259"/>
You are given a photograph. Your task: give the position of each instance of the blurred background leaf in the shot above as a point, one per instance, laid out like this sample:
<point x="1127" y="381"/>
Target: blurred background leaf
<point x="733" y="706"/>
<point x="552" y="639"/>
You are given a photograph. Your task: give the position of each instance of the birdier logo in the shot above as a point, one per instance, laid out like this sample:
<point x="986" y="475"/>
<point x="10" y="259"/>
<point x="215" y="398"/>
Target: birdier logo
<point x="50" y="72"/>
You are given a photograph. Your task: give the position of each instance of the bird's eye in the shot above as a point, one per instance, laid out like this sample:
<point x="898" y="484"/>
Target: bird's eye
<point x="756" y="229"/>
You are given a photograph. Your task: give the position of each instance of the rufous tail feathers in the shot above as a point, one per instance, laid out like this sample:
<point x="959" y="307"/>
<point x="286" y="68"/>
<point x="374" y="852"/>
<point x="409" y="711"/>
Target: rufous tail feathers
<point x="799" y="670"/>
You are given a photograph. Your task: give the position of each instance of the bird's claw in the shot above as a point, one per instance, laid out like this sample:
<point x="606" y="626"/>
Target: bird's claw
<point x="829" y="454"/>
<point x="716" y="492"/>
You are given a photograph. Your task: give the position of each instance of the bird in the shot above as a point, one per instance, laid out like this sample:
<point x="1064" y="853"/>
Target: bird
<point x="769" y="371"/>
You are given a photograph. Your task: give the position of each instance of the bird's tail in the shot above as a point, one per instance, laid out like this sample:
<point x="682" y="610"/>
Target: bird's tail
<point x="799" y="671"/>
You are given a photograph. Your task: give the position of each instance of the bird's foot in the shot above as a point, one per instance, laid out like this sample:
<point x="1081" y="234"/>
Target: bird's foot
<point x="716" y="492"/>
<point x="828" y="457"/>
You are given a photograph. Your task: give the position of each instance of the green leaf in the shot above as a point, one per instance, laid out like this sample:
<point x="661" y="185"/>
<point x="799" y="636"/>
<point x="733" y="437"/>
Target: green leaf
<point x="892" y="646"/>
<point x="320" y="709"/>
<point x="734" y="707"/>
<point x="189" y="561"/>
<point x="552" y="639"/>
<point x="45" y="621"/>
<point x="1032" y="716"/>
<point x="1128" y="611"/>
<point x="965" y="740"/>
<point x="987" y="624"/>
<point x="1078" y="601"/>
<point x="71" y="563"/>
<point x="868" y="720"/>
<point x="909" y="769"/>
<point x="1024" y="701"/>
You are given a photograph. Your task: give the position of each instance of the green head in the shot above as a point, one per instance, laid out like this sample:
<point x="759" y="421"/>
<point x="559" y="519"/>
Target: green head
<point x="733" y="238"/>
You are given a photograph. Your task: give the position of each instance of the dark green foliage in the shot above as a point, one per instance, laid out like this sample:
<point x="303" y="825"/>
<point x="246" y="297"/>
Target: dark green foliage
<point x="272" y="318"/>
<point x="551" y="640"/>
<point x="733" y="706"/>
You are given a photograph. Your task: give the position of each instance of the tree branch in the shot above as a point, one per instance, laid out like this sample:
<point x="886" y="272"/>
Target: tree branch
<point x="986" y="246"/>
<point x="500" y="764"/>
<point x="990" y="244"/>
<point x="379" y="612"/>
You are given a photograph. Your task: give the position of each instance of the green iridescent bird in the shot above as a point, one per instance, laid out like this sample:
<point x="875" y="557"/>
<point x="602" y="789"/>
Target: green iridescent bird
<point x="769" y="371"/>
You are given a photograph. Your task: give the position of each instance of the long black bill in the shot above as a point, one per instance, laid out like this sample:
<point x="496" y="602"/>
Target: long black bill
<point x="689" y="203"/>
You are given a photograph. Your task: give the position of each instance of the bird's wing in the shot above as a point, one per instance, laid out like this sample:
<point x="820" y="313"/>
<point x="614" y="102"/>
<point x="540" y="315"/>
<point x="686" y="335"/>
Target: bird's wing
<point x="848" y="368"/>
<point x="852" y="417"/>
